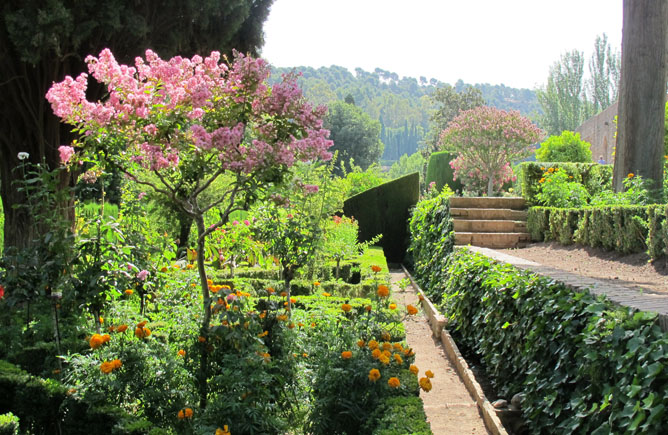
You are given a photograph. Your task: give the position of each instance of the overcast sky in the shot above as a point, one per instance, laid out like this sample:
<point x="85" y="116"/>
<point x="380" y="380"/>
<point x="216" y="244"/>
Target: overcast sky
<point x="513" y="42"/>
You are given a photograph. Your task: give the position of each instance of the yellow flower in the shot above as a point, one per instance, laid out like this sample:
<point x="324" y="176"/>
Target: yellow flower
<point x="374" y="375"/>
<point x="373" y="344"/>
<point x="542" y="180"/>
<point x="387" y="345"/>
<point x="393" y="306"/>
<point x="550" y="170"/>
<point x="375" y="269"/>
<point x="360" y="343"/>
<point x="411" y="310"/>
<point x="398" y="346"/>
<point x="305" y="355"/>
<point x="223" y="431"/>
<point x="181" y="352"/>
<point x="394" y="382"/>
<point x="346" y="354"/>
<point x="384" y="359"/>
<point x="631" y="175"/>
<point x="398" y="359"/>
<point x="429" y="374"/>
<point x="425" y="384"/>
<point x="263" y="334"/>
<point x="129" y="292"/>
<point x="101" y="319"/>
<point x="346" y="307"/>
<point x="282" y="317"/>
<point x="414" y="369"/>
<point x="383" y="291"/>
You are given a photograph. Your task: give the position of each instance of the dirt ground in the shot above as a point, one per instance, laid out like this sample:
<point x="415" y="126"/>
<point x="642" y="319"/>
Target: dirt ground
<point x="449" y="407"/>
<point x="634" y="271"/>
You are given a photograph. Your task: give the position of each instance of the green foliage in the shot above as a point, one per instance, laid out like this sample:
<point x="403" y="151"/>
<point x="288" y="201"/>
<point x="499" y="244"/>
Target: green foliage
<point x="358" y="180"/>
<point x="594" y="177"/>
<point x="440" y="172"/>
<point x="432" y="239"/>
<point x="2" y="228"/>
<point x="583" y="364"/>
<point x="399" y="416"/>
<point x="407" y="165"/>
<point x="558" y="189"/>
<point x="9" y="424"/>
<point x="567" y="147"/>
<point x="356" y="136"/>
<point x="385" y="210"/>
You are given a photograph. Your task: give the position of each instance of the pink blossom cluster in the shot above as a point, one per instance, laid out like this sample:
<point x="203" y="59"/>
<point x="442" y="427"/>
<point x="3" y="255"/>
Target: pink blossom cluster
<point x="160" y="109"/>
<point x="66" y="153"/>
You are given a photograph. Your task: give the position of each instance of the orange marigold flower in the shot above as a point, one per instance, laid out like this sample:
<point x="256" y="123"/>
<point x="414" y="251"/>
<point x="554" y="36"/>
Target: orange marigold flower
<point x="96" y="341"/>
<point x="181" y="352"/>
<point x="346" y="354"/>
<point x="312" y="324"/>
<point x="284" y="294"/>
<point x="325" y="294"/>
<point x="386" y="336"/>
<point x="223" y="431"/>
<point x="270" y="290"/>
<point x="542" y="180"/>
<point x="163" y="269"/>
<point x="394" y="382"/>
<point x="425" y="384"/>
<point x="106" y="367"/>
<point x="122" y="328"/>
<point x="305" y="355"/>
<point x="190" y="266"/>
<point x="631" y="175"/>
<point x="374" y="375"/>
<point x="375" y="354"/>
<point x="263" y="334"/>
<point x="429" y="374"/>
<point x="393" y="306"/>
<point x="101" y="319"/>
<point x="387" y="345"/>
<point x="408" y="351"/>
<point x="316" y="283"/>
<point x="398" y="359"/>
<point x="368" y="308"/>
<point x="142" y="324"/>
<point x="414" y="369"/>
<point x="360" y="343"/>
<point x="116" y="364"/>
<point x="188" y="413"/>
<point x="411" y="310"/>
<point x="129" y="292"/>
<point x="376" y="269"/>
<point x="398" y="346"/>
<point x="383" y="291"/>
<point x="112" y="328"/>
<point x="373" y="344"/>
<point x="291" y="325"/>
<point x="346" y="307"/>
<point x="293" y="300"/>
<point x="201" y="339"/>
<point x="384" y="359"/>
<point x="421" y="297"/>
<point x="282" y="317"/>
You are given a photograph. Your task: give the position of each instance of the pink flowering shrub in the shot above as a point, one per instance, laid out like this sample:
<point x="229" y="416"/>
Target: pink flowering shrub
<point x="487" y="140"/>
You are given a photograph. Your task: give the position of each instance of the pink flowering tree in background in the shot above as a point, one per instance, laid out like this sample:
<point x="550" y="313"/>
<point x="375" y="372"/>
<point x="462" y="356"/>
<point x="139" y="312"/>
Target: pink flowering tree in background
<point x="178" y="126"/>
<point x="487" y="140"/>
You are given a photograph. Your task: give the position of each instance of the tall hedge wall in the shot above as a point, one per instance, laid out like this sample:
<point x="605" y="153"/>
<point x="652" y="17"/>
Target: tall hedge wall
<point x="385" y="210"/>
<point x="440" y="172"/>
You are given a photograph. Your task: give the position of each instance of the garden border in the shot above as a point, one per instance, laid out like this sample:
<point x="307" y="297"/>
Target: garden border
<point x="438" y="325"/>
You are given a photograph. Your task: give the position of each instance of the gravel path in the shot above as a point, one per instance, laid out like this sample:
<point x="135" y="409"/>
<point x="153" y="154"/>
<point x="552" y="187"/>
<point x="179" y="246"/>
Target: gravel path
<point x="449" y="407"/>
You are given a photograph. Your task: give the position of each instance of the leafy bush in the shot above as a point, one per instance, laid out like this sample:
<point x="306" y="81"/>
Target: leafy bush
<point x="432" y="238"/>
<point x="399" y="416"/>
<point x="583" y="364"/>
<point x="567" y="147"/>
<point x="557" y="189"/>
<point x="9" y="424"/>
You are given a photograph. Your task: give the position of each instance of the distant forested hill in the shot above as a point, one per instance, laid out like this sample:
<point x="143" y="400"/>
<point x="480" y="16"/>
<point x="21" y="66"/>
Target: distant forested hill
<point x="402" y="105"/>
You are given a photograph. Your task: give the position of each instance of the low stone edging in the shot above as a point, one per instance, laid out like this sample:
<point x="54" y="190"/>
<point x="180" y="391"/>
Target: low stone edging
<point x="438" y="322"/>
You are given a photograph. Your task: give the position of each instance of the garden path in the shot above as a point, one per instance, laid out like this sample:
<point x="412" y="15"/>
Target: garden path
<point x="449" y="407"/>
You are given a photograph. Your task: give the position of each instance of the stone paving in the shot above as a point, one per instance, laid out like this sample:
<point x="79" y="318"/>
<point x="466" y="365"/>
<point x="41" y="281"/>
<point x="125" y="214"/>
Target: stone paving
<point x="619" y="294"/>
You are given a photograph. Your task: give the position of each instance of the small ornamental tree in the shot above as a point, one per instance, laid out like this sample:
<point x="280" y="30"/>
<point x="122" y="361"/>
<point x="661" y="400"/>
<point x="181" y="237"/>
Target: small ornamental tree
<point x="177" y="126"/>
<point x="487" y="140"/>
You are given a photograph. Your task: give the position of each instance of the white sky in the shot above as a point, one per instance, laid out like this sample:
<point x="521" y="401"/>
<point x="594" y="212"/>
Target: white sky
<point x="513" y="42"/>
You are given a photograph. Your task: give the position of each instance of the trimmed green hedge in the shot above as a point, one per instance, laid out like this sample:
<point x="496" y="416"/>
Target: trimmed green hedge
<point x="583" y="364"/>
<point x="399" y="416"/>
<point x="440" y="172"/>
<point x="625" y="229"/>
<point x="432" y="239"/>
<point x="46" y="407"/>
<point x="593" y="176"/>
<point x="384" y="210"/>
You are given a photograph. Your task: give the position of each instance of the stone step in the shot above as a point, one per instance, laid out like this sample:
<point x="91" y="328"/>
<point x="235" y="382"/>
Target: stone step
<point x="489" y="226"/>
<point x="514" y="203"/>
<point x="488" y="213"/>
<point x="493" y="240"/>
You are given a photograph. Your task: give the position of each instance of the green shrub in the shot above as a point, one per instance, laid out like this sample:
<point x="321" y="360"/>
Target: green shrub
<point x="583" y="364"/>
<point x="557" y="189"/>
<point x="440" y="172"/>
<point x="9" y="424"/>
<point x="399" y="416"/>
<point x="567" y="147"/>
<point x="432" y="239"/>
<point x="2" y="228"/>
<point x="385" y="210"/>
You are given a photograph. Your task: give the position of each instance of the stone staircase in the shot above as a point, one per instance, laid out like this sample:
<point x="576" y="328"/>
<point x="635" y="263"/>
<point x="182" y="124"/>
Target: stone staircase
<point x="490" y="222"/>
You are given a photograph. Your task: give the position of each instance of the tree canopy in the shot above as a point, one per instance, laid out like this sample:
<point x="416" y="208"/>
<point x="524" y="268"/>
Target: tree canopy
<point x="567" y="147"/>
<point x="356" y="136"/>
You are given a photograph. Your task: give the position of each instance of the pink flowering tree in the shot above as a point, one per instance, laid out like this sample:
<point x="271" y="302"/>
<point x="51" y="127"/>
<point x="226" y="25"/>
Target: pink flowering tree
<point x="179" y="125"/>
<point x="487" y="140"/>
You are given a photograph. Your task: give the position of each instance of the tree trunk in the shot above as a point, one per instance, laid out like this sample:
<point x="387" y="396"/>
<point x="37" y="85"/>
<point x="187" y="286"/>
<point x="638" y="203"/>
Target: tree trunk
<point x="490" y="185"/>
<point x="206" y="319"/>
<point x="642" y="93"/>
